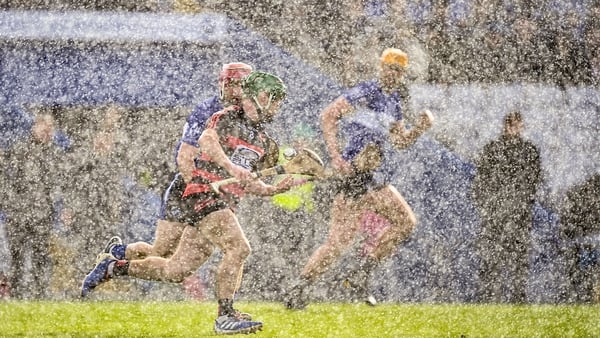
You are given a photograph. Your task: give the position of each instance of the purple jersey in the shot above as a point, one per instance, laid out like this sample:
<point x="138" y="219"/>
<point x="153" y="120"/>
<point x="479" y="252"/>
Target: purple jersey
<point x="195" y="122"/>
<point x="374" y="113"/>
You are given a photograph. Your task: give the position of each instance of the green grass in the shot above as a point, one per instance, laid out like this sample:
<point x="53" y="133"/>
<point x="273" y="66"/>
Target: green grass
<point x="188" y="318"/>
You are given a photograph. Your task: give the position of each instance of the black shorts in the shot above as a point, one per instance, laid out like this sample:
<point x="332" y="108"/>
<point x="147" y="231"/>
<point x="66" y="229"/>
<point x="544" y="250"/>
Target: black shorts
<point x="170" y="208"/>
<point x="191" y="209"/>
<point x="195" y="207"/>
<point x="354" y="186"/>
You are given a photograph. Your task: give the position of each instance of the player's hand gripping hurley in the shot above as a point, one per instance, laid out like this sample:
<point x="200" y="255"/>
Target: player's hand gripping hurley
<point x="306" y="162"/>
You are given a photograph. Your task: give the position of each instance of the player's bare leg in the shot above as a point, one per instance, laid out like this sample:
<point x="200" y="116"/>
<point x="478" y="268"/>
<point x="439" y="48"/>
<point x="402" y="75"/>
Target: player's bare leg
<point x="167" y="237"/>
<point x="195" y="247"/>
<point x="388" y="203"/>
<point x="193" y="250"/>
<point x="222" y="229"/>
<point x="225" y="232"/>
<point x="238" y="284"/>
<point x="346" y="215"/>
<point x="344" y="224"/>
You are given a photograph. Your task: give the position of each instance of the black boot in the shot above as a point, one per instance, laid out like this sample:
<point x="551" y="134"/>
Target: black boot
<point x="296" y="297"/>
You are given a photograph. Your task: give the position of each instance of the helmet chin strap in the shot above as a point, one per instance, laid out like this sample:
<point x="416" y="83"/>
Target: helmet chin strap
<point x="258" y="106"/>
<point x="260" y="109"/>
<point x="222" y="91"/>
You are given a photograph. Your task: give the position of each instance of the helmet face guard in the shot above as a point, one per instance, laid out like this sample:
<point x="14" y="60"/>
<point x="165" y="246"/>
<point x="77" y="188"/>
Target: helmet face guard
<point x="259" y="107"/>
<point x="258" y="82"/>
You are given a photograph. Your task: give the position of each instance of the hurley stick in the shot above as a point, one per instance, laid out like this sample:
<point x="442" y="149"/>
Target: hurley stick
<point x="306" y="162"/>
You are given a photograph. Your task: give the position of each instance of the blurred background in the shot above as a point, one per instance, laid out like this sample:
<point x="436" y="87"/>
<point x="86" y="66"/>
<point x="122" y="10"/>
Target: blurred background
<point x="149" y="62"/>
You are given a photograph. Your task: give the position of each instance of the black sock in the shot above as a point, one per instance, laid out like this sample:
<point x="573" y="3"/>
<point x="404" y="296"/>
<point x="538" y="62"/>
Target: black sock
<point x="304" y="281"/>
<point x="301" y="283"/>
<point x="225" y="307"/>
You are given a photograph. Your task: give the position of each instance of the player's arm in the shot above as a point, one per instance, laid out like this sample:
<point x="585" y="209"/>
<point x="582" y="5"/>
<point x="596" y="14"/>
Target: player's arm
<point x="329" y="124"/>
<point x="209" y="143"/>
<point x="185" y="160"/>
<point x="401" y="137"/>
<point x="259" y="187"/>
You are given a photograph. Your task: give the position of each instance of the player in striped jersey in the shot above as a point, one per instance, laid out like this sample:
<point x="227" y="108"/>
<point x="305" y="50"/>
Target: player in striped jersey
<point x="170" y="227"/>
<point x="233" y="144"/>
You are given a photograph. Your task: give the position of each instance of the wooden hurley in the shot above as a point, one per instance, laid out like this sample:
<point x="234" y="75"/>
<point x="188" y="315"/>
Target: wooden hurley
<point x="306" y="162"/>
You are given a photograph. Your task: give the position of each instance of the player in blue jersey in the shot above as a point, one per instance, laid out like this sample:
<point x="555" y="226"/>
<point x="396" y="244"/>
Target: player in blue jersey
<point x="233" y="144"/>
<point x="370" y="118"/>
<point x="170" y="227"/>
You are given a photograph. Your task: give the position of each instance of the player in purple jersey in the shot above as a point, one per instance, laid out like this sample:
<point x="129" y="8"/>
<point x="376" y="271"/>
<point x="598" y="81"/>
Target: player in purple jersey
<point x="170" y="227"/>
<point x="370" y="116"/>
<point x="234" y="143"/>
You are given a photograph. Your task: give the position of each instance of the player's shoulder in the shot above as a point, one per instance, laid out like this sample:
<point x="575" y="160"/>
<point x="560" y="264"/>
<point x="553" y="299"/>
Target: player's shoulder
<point x="206" y="107"/>
<point x="368" y="85"/>
<point x="362" y="88"/>
<point x="225" y="115"/>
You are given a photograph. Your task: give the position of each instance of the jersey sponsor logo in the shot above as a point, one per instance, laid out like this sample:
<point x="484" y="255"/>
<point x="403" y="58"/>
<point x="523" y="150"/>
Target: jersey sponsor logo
<point x="245" y="157"/>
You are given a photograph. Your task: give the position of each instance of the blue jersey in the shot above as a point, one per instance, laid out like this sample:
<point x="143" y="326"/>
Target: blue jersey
<point x="195" y="122"/>
<point x="374" y="112"/>
<point x="194" y="125"/>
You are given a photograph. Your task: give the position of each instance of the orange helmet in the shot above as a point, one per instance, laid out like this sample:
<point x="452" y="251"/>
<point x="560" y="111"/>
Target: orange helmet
<point x="394" y="56"/>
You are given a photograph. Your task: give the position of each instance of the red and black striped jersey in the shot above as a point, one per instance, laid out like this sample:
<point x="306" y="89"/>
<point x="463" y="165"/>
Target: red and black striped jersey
<point x="243" y="142"/>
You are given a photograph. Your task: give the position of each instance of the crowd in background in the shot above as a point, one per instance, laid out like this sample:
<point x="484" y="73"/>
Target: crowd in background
<point x="451" y="41"/>
<point x="462" y="41"/>
<point x="72" y="176"/>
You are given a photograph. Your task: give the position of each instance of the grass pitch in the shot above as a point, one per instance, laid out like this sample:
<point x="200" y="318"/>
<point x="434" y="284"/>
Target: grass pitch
<point x="195" y="319"/>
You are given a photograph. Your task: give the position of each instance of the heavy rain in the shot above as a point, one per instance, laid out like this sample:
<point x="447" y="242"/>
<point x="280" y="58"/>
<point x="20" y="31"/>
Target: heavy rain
<point x="504" y="186"/>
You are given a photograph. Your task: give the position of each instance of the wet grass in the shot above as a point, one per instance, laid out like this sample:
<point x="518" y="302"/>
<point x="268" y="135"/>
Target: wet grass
<point x="188" y="318"/>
